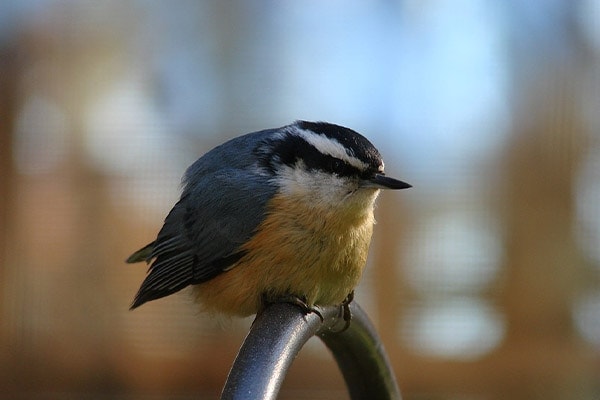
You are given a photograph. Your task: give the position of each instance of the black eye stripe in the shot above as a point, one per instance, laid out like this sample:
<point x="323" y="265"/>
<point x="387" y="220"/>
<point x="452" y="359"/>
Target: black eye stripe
<point x="360" y="146"/>
<point x="295" y="149"/>
<point x="290" y="149"/>
<point x="336" y="166"/>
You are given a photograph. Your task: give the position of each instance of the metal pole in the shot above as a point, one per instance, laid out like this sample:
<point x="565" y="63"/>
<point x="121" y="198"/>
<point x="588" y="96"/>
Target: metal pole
<point x="278" y="334"/>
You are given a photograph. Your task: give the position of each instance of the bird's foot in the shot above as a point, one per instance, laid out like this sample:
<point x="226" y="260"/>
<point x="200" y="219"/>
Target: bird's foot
<point x="345" y="310"/>
<point x="303" y="304"/>
<point x="299" y="301"/>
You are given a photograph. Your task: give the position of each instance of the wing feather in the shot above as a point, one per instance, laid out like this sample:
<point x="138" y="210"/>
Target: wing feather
<point x="203" y="233"/>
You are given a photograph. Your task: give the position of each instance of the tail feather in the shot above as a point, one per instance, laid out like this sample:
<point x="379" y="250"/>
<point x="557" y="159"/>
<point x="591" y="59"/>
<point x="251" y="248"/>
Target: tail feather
<point x="142" y="254"/>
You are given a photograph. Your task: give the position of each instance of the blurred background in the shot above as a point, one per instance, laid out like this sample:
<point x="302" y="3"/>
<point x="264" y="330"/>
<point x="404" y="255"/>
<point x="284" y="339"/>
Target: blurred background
<point x="483" y="280"/>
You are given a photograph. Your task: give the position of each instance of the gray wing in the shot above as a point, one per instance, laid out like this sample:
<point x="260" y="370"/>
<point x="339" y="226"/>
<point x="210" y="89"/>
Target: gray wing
<point x="202" y="235"/>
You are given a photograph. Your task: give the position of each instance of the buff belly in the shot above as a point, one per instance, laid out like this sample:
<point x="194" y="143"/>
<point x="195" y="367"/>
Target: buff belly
<point x="315" y="254"/>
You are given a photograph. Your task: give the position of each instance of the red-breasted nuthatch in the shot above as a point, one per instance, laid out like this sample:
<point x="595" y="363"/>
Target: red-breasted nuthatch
<point x="277" y="215"/>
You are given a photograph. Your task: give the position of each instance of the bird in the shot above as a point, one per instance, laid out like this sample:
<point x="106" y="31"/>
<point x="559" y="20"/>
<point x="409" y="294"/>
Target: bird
<point x="277" y="215"/>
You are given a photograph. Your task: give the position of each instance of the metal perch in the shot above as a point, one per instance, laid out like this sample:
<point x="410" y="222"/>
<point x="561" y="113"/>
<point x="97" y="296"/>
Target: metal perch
<point x="278" y="334"/>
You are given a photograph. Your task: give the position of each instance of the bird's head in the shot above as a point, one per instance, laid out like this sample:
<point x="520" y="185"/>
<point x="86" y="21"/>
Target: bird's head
<point x="325" y="164"/>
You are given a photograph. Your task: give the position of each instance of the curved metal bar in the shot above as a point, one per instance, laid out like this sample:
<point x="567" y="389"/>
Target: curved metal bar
<point x="278" y="334"/>
<point x="362" y="359"/>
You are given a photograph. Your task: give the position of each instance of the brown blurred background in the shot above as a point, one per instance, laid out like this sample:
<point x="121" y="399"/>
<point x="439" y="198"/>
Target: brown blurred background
<point x="483" y="280"/>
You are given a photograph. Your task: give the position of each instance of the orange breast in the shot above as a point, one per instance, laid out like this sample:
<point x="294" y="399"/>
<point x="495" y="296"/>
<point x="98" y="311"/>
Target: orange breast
<point x="314" y="252"/>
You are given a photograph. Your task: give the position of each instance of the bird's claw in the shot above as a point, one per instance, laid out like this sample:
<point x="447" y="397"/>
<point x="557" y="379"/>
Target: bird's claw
<point x="299" y="301"/>
<point x="345" y="311"/>
<point x="303" y="304"/>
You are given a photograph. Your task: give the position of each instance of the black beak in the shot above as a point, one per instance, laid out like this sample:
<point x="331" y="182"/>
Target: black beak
<point x="380" y="181"/>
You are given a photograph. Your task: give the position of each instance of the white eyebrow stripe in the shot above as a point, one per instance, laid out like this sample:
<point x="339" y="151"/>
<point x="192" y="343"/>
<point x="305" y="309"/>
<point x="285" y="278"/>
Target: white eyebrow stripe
<point x="331" y="147"/>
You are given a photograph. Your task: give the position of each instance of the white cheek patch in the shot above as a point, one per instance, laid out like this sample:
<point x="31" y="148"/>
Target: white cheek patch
<point x="331" y="147"/>
<point x="322" y="190"/>
<point x="317" y="186"/>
